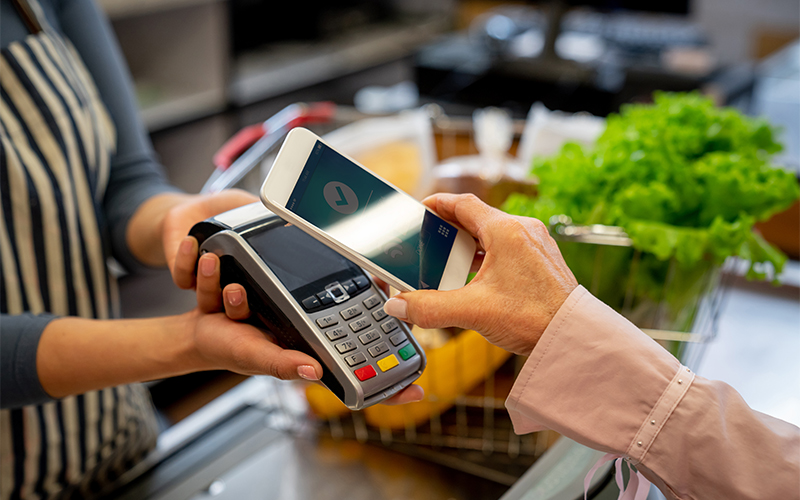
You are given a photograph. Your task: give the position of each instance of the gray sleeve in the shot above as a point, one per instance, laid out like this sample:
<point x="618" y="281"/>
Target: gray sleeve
<point x="136" y="173"/>
<point x="19" y="341"/>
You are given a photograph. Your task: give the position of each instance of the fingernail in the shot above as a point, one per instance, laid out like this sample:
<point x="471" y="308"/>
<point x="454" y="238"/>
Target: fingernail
<point x="187" y="245"/>
<point x="234" y="297"/>
<point x="207" y="267"/>
<point x="307" y="372"/>
<point x="396" y="307"/>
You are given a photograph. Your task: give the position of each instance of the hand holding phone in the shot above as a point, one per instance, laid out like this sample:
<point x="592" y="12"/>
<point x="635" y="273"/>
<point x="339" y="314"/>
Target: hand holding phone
<point x="363" y="217"/>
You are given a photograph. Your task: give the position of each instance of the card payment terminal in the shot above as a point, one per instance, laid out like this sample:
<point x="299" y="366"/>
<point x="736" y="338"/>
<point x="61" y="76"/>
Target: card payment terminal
<point x="315" y="301"/>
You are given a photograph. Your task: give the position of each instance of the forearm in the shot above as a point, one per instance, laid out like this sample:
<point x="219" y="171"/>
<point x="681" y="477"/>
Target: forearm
<point x="76" y="355"/>
<point x="144" y="234"/>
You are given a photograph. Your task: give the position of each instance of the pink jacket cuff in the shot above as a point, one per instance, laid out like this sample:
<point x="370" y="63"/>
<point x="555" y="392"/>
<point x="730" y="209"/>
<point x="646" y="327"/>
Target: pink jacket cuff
<point x="575" y="373"/>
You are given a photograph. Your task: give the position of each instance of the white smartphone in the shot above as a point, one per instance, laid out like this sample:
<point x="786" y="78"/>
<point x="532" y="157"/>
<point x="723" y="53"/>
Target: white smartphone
<point x="356" y="213"/>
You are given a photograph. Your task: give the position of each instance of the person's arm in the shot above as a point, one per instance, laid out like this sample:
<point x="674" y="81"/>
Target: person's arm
<point x="594" y="377"/>
<point x="46" y="357"/>
<point x="597" y="379"/>
<point x="19" y="339"/>
<point x="76" y="355"/>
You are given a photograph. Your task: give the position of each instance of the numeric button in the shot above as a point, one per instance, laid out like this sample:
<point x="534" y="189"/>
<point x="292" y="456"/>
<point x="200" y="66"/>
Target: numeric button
<point x="346" y="346"/>
<point x="370" y="336"/>
<point x="390" y="325"/>
<point x="327" y="321"/>
<point x="336" y="333"/>
<point x="379" y="314"/>
<point x="351" y="312"/>
<point x="360" y="324"/>
<point x="372" y="301"/>
<point x="378" y="349"/>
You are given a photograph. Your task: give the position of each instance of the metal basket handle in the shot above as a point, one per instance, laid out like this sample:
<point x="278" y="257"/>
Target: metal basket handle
<point x="242" y="152"/>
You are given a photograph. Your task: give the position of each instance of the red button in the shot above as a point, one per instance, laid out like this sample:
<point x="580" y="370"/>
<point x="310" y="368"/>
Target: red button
<point x="365" y="373"/>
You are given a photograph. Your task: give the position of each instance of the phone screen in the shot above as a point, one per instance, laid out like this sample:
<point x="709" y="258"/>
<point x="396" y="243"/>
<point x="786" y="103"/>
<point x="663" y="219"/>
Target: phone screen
<point x="388" y="227"/>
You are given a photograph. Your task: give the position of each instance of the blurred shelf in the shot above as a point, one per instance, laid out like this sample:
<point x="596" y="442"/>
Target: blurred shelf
<point x="180" y="55"/>
<point x="283" y="68"/>
<point x="177" y="52"/>
<point x="118" y="9"/>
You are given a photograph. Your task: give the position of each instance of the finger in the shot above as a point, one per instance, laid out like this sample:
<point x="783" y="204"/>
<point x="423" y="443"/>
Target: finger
<point x="432" y="308"/>
<point x="265" y="358"/>
<point x="195" y="208"/>
<point x="235" y="301"/>
<point x="208" y="292"/>
<point x="228" y="199"/>
<point x="184" y="266"/>
<point x="410" y="394"/>
<point x="466" y="210"/>
<point x="174" y="233"/>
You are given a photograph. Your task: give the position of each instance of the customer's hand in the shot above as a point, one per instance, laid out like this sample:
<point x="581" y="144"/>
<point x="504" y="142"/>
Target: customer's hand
<point x="181" y="250"/>
<point x="520" y="285"/>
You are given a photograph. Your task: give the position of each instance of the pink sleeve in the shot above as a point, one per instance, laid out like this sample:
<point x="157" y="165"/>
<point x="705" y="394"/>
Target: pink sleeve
<point x="597" y="379"/>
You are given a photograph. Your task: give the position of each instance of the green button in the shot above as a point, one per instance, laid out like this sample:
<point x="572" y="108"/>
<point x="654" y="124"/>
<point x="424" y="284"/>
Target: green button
<point x="407" y="351"/>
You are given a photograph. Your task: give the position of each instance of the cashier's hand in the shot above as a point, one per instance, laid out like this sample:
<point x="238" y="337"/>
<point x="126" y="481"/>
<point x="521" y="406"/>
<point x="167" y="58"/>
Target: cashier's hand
<point x="181" y="250"/>
<point x="235" y="304"/>
<point x="219" y="343"/>
<point x="522" y="279"/>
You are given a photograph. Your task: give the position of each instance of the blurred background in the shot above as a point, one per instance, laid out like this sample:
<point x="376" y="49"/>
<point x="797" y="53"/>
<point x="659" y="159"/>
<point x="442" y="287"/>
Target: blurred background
<point x="205" y="69"/>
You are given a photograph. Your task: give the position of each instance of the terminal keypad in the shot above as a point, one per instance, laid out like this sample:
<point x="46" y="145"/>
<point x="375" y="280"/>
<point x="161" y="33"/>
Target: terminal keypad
<point x="369" y="338"/>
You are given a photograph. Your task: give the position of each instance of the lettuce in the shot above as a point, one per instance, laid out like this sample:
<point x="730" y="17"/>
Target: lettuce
<point x="686" y="180"/>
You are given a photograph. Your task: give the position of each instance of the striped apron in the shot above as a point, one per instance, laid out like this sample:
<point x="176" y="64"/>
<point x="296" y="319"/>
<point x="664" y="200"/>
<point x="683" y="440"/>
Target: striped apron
<point x="56" y="140"/>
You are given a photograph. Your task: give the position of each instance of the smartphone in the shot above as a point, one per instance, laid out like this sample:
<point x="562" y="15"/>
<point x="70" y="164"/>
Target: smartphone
<point x="365" y="218"/>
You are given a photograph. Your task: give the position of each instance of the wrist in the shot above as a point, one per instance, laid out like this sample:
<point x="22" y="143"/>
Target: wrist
<point x="145" y="231"/>
<point x="188" y="354"/>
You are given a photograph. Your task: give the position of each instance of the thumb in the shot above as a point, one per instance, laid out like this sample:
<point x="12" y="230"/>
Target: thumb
<point x="287" y="364"/>
<point x="431" y="308"/>
<point x="256" y="355"/>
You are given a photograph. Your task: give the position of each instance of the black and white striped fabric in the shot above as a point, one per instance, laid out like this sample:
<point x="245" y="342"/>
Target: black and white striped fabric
<point x="57" y="139"/>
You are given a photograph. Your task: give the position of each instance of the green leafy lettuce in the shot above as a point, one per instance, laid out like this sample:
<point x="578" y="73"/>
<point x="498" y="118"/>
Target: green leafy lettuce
<point x="685" y="179"/>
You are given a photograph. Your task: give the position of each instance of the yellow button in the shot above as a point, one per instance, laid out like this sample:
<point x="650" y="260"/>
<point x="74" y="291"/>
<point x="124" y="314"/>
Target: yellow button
<point x="388" y="363"/>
